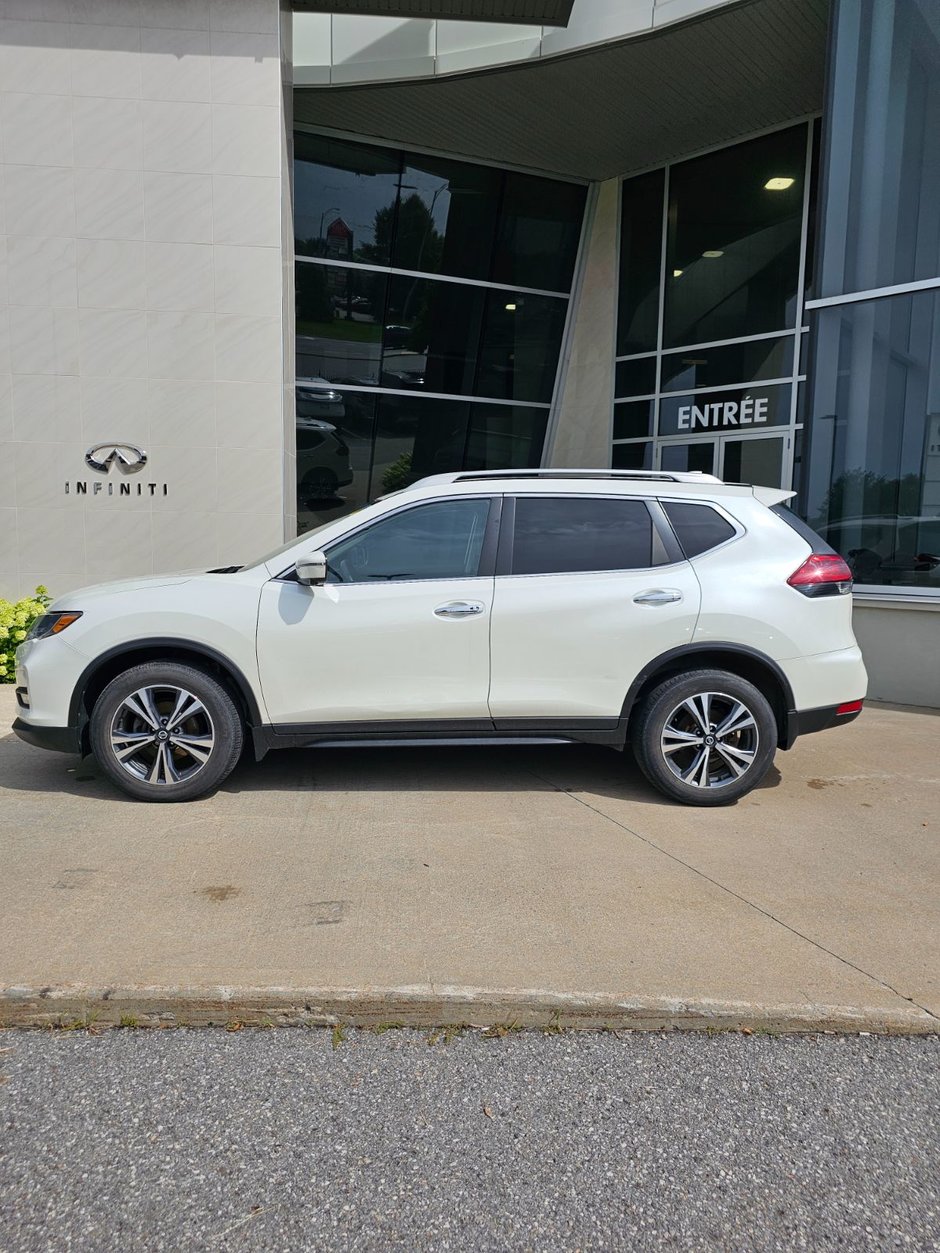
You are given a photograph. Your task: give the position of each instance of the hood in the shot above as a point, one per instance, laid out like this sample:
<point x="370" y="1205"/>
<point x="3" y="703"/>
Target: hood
<point x="95" y="591"/>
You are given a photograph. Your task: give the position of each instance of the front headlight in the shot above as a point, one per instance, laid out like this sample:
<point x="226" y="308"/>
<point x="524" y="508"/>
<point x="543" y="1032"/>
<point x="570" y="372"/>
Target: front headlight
<point x="52" y="623"/>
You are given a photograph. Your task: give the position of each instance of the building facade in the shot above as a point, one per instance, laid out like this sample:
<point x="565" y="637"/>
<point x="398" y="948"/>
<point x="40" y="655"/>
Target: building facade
<point x="260" y="263"/>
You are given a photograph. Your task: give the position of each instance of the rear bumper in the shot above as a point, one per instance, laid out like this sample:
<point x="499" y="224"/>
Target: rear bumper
<point x="806" y="721"/>
<point x="58" y="739"/>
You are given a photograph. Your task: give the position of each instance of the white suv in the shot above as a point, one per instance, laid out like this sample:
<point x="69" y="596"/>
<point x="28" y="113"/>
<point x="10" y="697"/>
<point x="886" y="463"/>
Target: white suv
<point x="700" y="621"/>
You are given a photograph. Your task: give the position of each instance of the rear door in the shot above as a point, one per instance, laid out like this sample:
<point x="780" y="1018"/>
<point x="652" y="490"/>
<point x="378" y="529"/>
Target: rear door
<point x="588" y="591"/>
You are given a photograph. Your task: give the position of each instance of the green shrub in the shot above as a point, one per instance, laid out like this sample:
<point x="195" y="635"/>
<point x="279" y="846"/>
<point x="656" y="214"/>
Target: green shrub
<point x="16" y="617"/>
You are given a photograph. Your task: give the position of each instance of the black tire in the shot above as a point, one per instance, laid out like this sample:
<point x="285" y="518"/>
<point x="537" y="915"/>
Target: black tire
<point x="669" y="739"/>
<point x="157" y="764"/>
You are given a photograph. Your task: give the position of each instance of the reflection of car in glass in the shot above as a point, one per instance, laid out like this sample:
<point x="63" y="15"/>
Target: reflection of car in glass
<point x="317" y="398"/>
<point x="322" y="460"/>
<point x="699" y="622"/>
<point x="397" y="336"/>
<point x="886" y="549"/>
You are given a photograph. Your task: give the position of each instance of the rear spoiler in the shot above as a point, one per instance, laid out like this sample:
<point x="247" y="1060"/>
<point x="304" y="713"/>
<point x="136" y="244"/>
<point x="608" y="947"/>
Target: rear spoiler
<point x="772" y="495"/>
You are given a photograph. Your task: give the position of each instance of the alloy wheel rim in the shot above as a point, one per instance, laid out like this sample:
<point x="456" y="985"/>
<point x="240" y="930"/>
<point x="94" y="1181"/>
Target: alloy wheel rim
<point x="162" y="735"/>
<point x="710" y="740"/>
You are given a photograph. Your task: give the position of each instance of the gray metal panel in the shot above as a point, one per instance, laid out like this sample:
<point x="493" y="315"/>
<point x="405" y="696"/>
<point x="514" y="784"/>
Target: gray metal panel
<point x="538" y="12"/>
<point x="611" y="109"/>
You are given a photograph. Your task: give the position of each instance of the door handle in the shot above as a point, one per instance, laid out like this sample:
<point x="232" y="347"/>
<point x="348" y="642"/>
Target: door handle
<point x="459" y="609"/>
<point x="658" y="596"/>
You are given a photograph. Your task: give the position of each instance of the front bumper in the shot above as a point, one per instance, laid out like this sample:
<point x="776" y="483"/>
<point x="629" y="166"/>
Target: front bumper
<point x="58" y="739"/>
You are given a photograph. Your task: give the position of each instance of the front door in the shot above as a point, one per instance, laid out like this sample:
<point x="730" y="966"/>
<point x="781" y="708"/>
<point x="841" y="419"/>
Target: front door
<point x="400" y="631"/>
<point x="588" y="597"/>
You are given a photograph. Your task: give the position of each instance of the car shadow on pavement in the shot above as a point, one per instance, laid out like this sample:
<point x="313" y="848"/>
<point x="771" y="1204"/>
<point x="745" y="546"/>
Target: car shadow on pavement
<point x="575" y="768"/>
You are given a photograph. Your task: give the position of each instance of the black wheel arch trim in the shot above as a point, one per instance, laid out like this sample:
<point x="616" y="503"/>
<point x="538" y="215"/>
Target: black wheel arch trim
<point x="665" y="660"/>
<point x="78" y="715"/>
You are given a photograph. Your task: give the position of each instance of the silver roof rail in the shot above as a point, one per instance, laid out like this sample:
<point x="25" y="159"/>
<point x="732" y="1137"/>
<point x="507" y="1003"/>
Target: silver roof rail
<point x="654" y="476"/>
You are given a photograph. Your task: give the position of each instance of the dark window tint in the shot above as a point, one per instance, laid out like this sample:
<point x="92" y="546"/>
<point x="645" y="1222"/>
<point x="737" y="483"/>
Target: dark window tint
<point x="437" y="541"/>
<point x="641" y="232"/>
<point x="733" y="253"/>
<point x="538" y="233"/>
<point x="566" y="534"/>
<point x="699" y="527"/>
<point x="445" y="337"/>
<point x="872" y="470"/>
<point x="683" y="457"/>
<point x="733" y="363"/>
<point x="803" y="529"/>
<point x="345" y="198"/>
<point x="636" y="377"/>
<point x="632" y="456"/>
<point x="340" y="315"/>
<point x="416" y="436"/>
<point x="880" y="221"/>
<point x="633" y="418"/>
<point x="446" y="217"/>
<point x="504" y="437"/>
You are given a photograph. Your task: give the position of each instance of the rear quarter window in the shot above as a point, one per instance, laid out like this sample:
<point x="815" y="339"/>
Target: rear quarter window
<point x="698" y="527"/>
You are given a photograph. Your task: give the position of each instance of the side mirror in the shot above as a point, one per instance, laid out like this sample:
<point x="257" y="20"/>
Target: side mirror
<point x="311" y="569"/>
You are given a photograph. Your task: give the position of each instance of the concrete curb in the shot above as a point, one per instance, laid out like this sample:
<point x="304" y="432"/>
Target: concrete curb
<point x="78" y="1005"/>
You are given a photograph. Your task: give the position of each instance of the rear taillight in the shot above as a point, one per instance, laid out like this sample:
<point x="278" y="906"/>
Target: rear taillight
<point x="822" y="574"/>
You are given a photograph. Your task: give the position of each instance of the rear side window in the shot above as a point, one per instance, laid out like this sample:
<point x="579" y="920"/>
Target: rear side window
<point x="564" y="535"/>
<point x="698" y="527"/>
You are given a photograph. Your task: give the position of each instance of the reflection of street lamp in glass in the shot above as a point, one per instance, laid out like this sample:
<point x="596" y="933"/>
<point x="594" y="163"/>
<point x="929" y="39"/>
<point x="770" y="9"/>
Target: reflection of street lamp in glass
<point x="429" y="226"/>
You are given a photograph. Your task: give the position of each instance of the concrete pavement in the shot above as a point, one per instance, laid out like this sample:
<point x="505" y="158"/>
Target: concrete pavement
<point x="481" y="885"/>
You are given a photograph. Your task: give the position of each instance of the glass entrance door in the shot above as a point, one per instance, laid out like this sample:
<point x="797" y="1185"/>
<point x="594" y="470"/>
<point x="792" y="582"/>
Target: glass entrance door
<point x="752" y="459"/>
<point x="758" y="459"/>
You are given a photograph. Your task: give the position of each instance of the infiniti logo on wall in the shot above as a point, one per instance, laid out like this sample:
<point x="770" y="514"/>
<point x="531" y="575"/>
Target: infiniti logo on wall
<point x="126" y="459"/>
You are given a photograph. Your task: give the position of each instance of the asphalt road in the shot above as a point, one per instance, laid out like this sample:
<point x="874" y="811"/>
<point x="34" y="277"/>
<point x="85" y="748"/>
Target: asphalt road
<point x="276" y="1140"/>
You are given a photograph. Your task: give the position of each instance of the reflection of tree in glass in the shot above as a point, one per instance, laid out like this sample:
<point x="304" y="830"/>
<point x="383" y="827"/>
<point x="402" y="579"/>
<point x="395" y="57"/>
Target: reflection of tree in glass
<point x="313" y="296"/>
<point x="398" y="474"/>
<point x="863" y="493"/>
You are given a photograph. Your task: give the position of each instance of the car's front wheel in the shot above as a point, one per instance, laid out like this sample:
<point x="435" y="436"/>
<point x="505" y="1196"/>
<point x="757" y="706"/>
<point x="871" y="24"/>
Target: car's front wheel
<point x="705" y="738"/>
<point x="164" y="731"/>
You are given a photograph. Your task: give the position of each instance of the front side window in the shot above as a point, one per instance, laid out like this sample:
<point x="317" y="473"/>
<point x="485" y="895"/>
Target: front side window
<point x="567" y="535"/>
<point x="442" y="540"/>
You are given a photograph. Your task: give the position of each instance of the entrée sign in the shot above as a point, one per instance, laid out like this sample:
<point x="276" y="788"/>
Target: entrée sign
<point x="731" y="410"/>
<point x="722" y="413"/>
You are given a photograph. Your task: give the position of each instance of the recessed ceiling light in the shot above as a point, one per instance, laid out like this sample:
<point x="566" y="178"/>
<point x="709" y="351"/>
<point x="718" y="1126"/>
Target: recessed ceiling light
<point x="778" y="184"/>
<point x="510" y="308"/>
<point x="713" y="252"/>
<point x="676" y="273"/>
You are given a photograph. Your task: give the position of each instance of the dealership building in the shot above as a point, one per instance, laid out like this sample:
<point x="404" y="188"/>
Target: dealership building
<point x="263" y="262"/>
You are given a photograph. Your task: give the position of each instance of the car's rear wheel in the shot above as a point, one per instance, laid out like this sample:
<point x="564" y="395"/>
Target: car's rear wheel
<point x="164" y="731"/>
<point x="705" y="738"/>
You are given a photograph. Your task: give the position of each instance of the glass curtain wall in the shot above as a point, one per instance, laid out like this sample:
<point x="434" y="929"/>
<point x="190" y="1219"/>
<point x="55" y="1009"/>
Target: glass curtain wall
<point x="712" y="264"/>
<point x="432" y="297"/>
<point x="872" y="484"/>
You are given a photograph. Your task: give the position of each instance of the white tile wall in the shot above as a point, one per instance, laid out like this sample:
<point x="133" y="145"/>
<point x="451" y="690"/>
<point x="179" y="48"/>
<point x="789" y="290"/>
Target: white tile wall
<point x="142" y="283"/>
